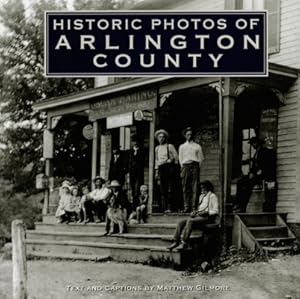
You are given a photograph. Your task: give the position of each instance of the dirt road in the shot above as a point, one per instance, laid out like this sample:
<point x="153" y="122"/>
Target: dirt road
<point x="277" y="278"/>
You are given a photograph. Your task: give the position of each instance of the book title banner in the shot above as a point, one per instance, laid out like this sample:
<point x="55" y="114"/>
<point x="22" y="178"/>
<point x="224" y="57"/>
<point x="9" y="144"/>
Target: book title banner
<point x="139" y="43"/>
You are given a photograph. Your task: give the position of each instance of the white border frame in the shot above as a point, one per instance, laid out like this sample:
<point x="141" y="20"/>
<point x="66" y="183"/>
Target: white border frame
<point x="160" y="12"/>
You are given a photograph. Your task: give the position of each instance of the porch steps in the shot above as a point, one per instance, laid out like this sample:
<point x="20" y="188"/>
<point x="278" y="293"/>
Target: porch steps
<point x="147" y="228"/>
<point x="265" y="232"/>
<point x="127" y="238"/>
<point x="278" y="231"/>
<point x="143" y="243"/>
<point x="118" y="252"/>
<point x="66" y="256"/>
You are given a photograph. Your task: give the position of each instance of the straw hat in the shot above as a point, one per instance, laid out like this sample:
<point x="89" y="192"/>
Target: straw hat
<point x="114" y="183"/>
<point x="161" y="131"/>
<point x="99" y="178"/>
<point x="66" y="186"/>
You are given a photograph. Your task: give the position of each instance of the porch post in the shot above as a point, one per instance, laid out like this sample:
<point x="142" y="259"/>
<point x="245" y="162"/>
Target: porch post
<point x="48" y="155"/>
<point x="151" y="162"/>
<point x="228" y="126"/>
<point x="94" y="150"/>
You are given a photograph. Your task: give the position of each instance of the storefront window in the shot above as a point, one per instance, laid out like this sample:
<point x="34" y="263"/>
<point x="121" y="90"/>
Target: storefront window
<point x="248" y="150"/>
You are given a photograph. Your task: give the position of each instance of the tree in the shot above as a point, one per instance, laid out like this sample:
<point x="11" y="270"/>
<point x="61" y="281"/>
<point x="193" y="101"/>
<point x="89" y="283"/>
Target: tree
<point x="21" y="84"/>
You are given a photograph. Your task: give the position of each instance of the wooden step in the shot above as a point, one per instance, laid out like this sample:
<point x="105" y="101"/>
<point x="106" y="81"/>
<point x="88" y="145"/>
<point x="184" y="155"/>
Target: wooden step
<point x="286" y="240"/>
<point x="147" y="228"/>
<point x="66" y="256"/>
<point x="118" y="252"/>
<point x="167" y="218"/>
<point x="127" y="238"/>
<point x="269" y="231"/>
<point x="271" y="249"/>
<point x="261" y="219"/>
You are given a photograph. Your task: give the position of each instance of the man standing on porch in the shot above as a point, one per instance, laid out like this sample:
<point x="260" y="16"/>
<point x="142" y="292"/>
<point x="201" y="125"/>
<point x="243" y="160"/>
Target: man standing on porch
<point x="190" y="159"/>
<point x="165" y="159"/>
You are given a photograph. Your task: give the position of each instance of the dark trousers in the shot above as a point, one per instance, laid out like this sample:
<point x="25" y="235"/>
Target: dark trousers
<point x="190" y="180"/>
<point x="186" y="226"/>
<point x="89" y="207"/>
<point x="166" y="177"/>
<point x="136" y="181"/>
<point x="100" y="209"/>
<point x="269" y="204"/>
<point x="69" y="215"/>
<point x="244" y="191"/>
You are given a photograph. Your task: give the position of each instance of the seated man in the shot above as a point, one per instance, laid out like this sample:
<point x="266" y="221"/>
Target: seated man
<point x="97" y="201"/>
<point x="207" y="212"/>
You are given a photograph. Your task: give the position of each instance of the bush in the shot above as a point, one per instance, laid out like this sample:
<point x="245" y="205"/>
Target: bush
<point x="17" y="206"/>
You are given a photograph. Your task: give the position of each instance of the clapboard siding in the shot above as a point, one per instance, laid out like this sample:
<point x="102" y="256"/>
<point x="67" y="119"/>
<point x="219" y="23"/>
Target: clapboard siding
<point x="287" y="152"/>
<point x="201" y="5"/>
<point x="289" y="53"/>
<point x="282" y="169"/>
<point x="210" y="166"/>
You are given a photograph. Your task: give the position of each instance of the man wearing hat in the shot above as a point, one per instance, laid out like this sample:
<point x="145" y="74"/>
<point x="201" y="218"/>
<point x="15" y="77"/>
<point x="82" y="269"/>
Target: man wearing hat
<point x="97" y="200"/>
<point x="190" y="159"/>
<point x="262" y="168"/>
<point x="117" y="166"/>
<point x="136" y="170"/>
<point x="165" y="158"/>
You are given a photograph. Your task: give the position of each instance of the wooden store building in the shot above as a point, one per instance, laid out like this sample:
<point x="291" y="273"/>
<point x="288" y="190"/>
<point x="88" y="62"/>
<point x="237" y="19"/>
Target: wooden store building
<point x="224" y="112"/>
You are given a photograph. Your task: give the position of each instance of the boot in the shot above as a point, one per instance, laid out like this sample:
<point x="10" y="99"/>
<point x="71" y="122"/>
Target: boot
<point x="173" y="245"/>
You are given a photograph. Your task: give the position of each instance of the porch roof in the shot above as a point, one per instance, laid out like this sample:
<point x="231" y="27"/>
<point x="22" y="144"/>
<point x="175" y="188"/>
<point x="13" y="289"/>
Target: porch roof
<point x="283" y="76"/>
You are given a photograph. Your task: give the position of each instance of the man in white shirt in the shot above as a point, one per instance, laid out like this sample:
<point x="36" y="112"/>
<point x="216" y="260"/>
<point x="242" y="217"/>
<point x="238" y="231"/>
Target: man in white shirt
<point x="207" y="212"/>
<point x="165" y="158"/>
<point x="190" y="159"/>
<point x="97" y="200"/>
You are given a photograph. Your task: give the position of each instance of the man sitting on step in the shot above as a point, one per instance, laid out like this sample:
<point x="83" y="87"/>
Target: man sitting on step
<point x="208" y="210"/>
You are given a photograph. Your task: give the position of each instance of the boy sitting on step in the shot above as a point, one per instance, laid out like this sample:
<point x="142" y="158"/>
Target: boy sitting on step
<point x="139" y="216"/>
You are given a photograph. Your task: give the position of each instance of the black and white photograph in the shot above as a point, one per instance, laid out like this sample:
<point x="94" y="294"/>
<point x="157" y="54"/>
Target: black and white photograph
<point x="150" y="149"/>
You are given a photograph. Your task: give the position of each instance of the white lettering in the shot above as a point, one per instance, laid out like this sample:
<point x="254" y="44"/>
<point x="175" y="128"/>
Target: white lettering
<point x="96" y="63"/>
<point x="225" y="37"/>
<point x="215" y="59"/>
<point x="87" y="40"/>
<point x="247" y="40"/>
<point x="63" y="42"/>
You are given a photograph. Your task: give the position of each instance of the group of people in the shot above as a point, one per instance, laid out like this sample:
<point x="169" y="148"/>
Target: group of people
<point x="106" y="203"/>
<point x="167" y="160"/>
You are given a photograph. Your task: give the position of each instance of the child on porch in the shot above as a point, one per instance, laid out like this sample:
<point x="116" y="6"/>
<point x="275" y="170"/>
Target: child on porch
<point x="76" y="201"/>
<point x="66" y="205"/>
<point x="139" y="216"/>
<point x="82" y="214"/>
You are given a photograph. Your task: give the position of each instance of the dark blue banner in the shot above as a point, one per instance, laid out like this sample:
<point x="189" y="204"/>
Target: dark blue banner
<point x="136" y="43"/>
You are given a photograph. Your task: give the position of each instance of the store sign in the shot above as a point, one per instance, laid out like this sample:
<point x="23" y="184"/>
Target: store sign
<point x="139" y="100"/>
<point x="120" y="120"/>
<point x="135" y="43"/>
<point x="41" y="181"/>
<point x="145" y="115"/>
<point x="48" y="144"/>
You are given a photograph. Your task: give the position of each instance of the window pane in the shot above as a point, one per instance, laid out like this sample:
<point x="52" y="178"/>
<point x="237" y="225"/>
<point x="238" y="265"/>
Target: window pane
<point x="246" y="134"/>
<point x="246" y="150"/>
